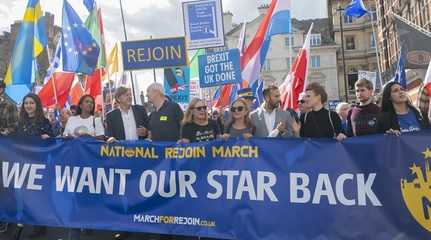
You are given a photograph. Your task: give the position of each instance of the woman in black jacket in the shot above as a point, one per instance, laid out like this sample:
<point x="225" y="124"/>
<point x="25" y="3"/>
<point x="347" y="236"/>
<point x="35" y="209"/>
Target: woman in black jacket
<point x="397" y="113"/>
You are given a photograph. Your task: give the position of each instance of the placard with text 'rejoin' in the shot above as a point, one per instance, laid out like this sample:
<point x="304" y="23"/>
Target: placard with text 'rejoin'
<point x="154" y="53"/>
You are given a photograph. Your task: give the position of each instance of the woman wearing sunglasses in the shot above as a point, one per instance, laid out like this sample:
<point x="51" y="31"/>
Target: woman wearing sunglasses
<point x="240" y="124"/>
<point x="196" y="127"/>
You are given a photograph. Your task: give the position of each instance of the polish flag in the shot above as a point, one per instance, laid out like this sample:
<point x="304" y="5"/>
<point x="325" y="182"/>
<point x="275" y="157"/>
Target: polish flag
<point x="296" y="80"/>
<point x="427" y="80"/>
<point x="276" y="21"/>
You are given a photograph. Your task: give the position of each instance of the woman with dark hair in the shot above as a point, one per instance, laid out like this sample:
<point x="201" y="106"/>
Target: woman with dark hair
<point x="196" y="127"/>
<point x="32" y="121"/>
<point x="398" y="114"/>
<point x="84" y="123"/>
<point x="240" y="124"/>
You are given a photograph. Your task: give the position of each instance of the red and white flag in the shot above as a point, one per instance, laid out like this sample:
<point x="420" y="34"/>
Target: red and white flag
<point x="427" y="80"/>
<point x="296" y="80"/>
<point x="57" y="83"/>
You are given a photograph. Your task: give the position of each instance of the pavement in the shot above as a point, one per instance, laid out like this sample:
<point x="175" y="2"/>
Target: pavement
<point x="67" y="234"/>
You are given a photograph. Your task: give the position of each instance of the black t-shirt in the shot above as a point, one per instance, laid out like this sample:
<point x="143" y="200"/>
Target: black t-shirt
<point x="165" y="124"/>
<point x="320" y="124"/>
<point x="197" y="133"/>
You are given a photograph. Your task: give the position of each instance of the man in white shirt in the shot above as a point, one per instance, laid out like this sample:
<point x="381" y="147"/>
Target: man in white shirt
<point x="127" y="122"/>
<point x="270" y="121"/>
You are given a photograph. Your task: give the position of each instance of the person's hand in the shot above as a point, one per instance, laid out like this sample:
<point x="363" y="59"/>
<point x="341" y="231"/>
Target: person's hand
<point x="141" y="131"/>
<point x="296" y="127"/>
<point x="281" y="127"/>
<point x="183" y="140"/>
<point x="247" y="135"/>
<point x="111" y="140"/>
<point x="225" y="136"/>
<point x="341" y="137"/>
<point x="394" y="132"/>
<point x="44" y="136"/>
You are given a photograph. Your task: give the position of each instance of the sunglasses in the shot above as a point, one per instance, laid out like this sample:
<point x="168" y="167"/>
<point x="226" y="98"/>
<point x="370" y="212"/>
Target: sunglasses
<point x="237" y="109"/>
<point x="201" y="108"/>
<point x="301" y="101"/>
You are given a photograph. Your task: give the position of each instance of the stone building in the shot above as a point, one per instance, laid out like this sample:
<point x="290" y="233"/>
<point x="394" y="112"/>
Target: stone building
<point x="359" y="44"/>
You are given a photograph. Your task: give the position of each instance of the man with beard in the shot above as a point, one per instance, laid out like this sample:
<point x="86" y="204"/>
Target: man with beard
<point x="270" y="121"/>
<point x="362" y="118"/>
<point x="3" y="96"/>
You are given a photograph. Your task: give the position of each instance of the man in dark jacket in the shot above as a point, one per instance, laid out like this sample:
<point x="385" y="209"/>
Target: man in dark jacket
<point x="127" y="122"/>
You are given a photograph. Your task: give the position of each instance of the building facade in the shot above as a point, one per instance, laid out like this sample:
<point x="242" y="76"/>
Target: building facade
<point x="417" y="12"/>
<point x="359" y="44"/>
<point x="284" y="48"/>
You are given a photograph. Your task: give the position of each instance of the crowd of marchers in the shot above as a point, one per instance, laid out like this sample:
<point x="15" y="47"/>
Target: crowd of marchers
<point x="394" y="114"/>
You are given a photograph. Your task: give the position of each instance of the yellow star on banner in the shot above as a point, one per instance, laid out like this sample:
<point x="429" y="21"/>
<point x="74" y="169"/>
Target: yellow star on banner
<point x="427" y="153"/>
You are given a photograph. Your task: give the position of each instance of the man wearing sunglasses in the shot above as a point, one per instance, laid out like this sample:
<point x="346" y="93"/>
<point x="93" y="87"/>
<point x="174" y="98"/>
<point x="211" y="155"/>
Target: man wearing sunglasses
<point x="302" y="104"/>
<point x="270" y="121"/>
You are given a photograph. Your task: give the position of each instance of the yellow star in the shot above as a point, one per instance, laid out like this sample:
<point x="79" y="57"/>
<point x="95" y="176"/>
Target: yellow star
<point x="427" y="153"/>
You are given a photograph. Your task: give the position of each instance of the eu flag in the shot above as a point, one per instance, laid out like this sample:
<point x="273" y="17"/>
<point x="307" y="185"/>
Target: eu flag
<point x="80" y="50"/>
<point x="355" y="9"/>
<point x="400" y="74"/>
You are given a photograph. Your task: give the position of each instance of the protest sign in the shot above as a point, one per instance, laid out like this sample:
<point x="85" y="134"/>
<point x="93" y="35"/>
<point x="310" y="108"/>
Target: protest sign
<point x="219" y="68"/>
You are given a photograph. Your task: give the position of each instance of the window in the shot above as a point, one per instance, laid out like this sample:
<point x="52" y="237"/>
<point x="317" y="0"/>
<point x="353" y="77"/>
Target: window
<point x="315" y="61"/>
<point x="288" y="41"/>
<point x="315" y="40"/>
<point x="352" y="77"/>
<point x="350" y="43"/>
<point x="372" y="41"/>
<point x="267" y="65"/>
<point x="288" y="63"/>
<point x="348" y="19"/>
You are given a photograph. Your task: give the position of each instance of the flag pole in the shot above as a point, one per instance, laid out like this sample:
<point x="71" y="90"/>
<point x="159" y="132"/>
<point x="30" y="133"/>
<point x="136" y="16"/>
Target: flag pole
<point x="154" y="70"/>
<point x="340" y="10"/>
<point x="125" y="38"/>
<point x="376" y="48"/>
<point x="50" y="58"/>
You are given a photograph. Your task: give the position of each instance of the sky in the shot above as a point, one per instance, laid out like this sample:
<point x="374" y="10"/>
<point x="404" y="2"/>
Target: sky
<point x="156" y="18"/>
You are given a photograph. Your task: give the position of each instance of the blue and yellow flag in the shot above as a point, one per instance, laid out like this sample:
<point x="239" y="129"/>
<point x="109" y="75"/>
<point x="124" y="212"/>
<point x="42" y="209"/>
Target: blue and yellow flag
<point x="29" y="44"/>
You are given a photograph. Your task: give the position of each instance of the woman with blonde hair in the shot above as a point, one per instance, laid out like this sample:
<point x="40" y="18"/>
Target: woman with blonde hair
<point x="196" y="126"/>
<point x="240" y="124"/>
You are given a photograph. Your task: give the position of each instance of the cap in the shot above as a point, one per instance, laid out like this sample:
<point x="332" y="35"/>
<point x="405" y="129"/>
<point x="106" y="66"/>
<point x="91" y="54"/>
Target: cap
<point x="245" y="93"/>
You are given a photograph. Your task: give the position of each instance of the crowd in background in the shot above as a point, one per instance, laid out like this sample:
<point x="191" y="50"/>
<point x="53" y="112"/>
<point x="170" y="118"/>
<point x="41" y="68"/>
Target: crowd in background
<point x="393" y="114"/>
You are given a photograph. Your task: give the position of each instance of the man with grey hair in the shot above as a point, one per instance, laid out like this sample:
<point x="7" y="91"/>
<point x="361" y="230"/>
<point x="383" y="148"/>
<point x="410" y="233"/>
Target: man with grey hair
<point x="127" y="122"/>
<point x="342" y="110"/>
<point x="165" y="120"/>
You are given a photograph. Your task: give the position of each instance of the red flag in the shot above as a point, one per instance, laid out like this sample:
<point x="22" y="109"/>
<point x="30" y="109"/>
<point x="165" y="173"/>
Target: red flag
<point x="93" y="83"/>
<point x="295" y="81"/>
<point x="63" y="82"/>
<point x="76" y="92"/>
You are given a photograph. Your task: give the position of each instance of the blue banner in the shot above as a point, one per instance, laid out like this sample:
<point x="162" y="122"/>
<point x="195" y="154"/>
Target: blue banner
<point x="374" y="187"/>
<point x="219" y="68"/>
<point x="177" y="84"/>
<point x="154" y="53"/>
